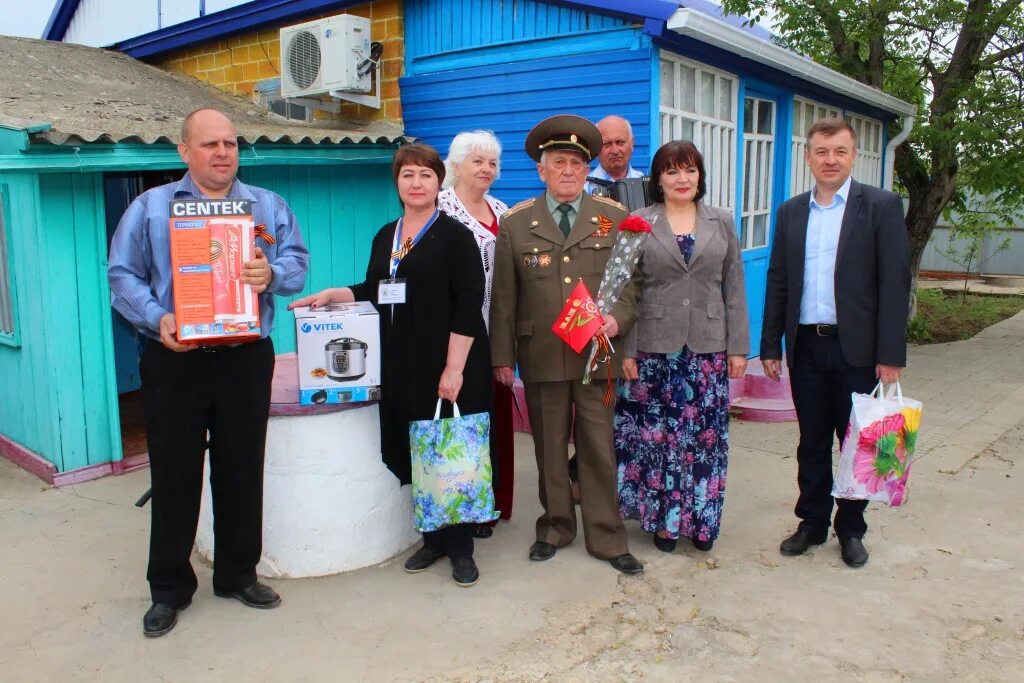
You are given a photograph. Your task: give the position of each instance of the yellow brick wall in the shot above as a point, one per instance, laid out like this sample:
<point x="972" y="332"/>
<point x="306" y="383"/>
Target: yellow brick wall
<point x="237" y="63"/>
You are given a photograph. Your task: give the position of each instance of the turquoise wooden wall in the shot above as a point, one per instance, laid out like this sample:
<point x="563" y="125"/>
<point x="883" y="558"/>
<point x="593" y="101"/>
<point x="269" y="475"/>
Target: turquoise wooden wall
<point x="26" y="413"/>
<point x="339" y="209"/>
<point x="60" y="400"/>
<point x="58" y="396"/>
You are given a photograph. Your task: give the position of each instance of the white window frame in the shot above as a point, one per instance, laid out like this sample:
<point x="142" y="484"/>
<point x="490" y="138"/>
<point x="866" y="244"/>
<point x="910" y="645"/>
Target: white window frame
<point x="757" y="200"/>
<point x="716" y="138"/>
<point x="867" y="168"/>
<point x="801" y="179"/>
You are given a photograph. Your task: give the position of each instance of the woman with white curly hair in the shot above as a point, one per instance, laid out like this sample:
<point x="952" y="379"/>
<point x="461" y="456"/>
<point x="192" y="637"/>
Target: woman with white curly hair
<point x="472" y="166"/>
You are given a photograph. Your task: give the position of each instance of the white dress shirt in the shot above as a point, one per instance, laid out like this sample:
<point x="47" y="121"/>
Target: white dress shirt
<point x="818" y="301"/>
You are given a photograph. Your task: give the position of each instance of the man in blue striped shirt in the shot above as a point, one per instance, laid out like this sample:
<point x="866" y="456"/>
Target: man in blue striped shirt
<point x="190" y="390"/>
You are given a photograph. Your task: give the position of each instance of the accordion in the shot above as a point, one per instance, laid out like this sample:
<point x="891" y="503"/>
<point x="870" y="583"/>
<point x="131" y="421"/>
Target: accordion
<point x="634" y="193"/>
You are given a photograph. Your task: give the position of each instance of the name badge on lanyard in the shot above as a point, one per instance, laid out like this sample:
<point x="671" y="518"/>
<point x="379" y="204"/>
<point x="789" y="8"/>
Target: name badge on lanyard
<point x="392" y="290"/>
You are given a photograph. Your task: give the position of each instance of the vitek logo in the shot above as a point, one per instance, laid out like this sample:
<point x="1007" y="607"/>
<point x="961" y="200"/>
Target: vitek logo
<point x="321" y="327"/>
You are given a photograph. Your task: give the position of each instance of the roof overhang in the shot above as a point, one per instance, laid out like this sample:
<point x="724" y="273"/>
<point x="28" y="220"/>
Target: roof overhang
<point x="706" y="29"/>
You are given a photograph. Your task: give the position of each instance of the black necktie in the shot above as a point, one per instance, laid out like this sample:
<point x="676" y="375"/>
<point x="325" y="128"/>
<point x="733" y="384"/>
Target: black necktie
<point x="565" y="225"/>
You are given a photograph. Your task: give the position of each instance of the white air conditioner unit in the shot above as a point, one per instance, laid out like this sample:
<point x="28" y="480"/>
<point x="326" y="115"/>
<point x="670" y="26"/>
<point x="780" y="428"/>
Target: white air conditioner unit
<point x="324" y="57"/>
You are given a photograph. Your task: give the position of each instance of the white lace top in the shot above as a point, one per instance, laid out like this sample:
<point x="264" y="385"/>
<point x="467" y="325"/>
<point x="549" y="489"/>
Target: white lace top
<point x="450" y="203"/>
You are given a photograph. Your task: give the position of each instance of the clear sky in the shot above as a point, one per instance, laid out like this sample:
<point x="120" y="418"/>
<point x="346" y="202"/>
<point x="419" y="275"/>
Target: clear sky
<point x="20" y="18"/>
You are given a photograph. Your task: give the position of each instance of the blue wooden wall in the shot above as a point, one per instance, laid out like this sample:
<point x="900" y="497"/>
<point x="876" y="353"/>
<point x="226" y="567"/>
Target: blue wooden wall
<point x="434" y="27"/>
<point x="509" y="99"/>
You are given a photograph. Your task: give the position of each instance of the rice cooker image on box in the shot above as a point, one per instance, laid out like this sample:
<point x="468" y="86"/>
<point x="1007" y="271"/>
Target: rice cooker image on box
<point x="346" y="359"/>
<point x="338" y="353"/>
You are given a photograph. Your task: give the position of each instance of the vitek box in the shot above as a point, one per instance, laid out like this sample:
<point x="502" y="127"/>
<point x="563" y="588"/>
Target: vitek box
<point x="338" y="353"/>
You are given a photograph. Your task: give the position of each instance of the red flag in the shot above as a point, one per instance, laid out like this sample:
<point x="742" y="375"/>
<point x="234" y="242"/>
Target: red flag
<point x="579" y="320"/>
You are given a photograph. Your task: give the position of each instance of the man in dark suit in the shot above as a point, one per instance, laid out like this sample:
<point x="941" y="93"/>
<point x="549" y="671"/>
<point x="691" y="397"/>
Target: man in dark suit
<point x="838" y="289"/>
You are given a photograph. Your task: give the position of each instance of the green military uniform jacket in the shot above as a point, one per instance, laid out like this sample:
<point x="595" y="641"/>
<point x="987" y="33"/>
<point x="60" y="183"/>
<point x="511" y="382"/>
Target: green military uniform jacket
<point x="535" y="270"/>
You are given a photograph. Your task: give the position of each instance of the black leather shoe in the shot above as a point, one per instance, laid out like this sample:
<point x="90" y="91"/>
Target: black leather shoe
<point x="665" y="545"/>
<point x="160" y="619"/>
<point x="482" y="531"/>
<point x="703" y="546"/>
<point x="541" y="551"/>
<point x="853" y="551"/>
<point x="798" y="543"/>
<point x="464" y="571"/>
<point x="627" y="564"/>
<point x="422" y="559"/>
<point x="258" y="595"/>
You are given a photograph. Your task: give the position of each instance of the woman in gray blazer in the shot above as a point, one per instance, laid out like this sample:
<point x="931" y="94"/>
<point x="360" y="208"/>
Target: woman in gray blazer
<point x="690" y="338"/>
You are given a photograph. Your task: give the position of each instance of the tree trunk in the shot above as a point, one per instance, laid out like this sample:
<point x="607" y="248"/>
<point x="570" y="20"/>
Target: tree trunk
<point x="927" y="195"/>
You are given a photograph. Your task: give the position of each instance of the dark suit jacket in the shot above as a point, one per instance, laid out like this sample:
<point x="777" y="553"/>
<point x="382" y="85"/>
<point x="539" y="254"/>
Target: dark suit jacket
<point x="872" y="278"/>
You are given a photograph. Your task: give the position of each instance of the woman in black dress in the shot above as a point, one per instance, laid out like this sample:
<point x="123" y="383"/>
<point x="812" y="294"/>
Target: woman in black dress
<point x="434" y="344"/>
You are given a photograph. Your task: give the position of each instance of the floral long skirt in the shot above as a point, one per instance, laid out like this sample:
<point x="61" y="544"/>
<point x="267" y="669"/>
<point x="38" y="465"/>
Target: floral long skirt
<point x="672" y="443"/>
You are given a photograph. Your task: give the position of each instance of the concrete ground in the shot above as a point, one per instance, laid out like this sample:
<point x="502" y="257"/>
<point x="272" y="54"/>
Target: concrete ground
<point x="941" y="599"/>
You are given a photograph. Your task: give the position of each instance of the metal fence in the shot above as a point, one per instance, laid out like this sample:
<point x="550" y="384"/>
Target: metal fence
<point x="1009" y="262"/>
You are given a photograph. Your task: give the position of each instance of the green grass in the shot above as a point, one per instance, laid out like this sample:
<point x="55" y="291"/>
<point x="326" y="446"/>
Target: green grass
<point x="945" y="316"/>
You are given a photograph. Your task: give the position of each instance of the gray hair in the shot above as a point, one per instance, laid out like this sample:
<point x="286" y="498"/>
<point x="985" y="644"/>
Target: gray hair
<point x="466" y="143"/>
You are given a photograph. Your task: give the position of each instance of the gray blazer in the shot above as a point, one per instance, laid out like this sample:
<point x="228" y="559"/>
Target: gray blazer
<point x="703" y="304"/>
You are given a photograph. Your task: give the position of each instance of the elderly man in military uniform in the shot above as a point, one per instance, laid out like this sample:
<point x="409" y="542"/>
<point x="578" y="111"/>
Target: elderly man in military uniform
<point x="545" y="246"/>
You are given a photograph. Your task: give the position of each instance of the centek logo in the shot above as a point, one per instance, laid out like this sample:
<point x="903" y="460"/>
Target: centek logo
<point x="320" y="327"/>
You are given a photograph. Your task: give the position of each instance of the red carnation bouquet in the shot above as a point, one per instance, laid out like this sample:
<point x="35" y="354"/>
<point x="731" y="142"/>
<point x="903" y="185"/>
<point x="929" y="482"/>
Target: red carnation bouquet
<point x="633" y="231"/>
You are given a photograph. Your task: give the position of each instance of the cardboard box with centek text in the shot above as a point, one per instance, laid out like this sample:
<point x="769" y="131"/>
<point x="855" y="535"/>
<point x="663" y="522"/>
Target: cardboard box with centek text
<point x="338" y="353"/>
<point x="210" y="241"/>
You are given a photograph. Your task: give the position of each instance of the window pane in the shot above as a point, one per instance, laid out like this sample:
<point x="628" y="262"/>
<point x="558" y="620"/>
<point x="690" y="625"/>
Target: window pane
<point x="765" y="117"/>
<point x="725" y="100"/>
<point x="687" y="99"/>
<point x="687" y="131"/>
<point x="760" y="230"/>
<point x="748" y="115"/>
<point x="707" y="94"/>
<point x="668" y="84"/>
<point x="744" y="232"/>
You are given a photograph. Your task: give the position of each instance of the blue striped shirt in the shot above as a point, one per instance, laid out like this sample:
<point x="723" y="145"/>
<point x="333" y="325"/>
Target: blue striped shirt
<point x="139" y="267"/>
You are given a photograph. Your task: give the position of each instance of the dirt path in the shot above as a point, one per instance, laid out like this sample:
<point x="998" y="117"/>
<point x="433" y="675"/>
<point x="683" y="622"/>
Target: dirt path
<point x="942" y="599"/>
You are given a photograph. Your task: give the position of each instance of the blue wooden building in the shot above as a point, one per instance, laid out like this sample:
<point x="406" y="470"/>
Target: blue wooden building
<point x="83" y="131"/>
<point x="675" y="70"/>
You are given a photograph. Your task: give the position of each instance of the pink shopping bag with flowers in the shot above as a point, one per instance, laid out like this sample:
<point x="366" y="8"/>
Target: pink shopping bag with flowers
<point x="875" y="459"/>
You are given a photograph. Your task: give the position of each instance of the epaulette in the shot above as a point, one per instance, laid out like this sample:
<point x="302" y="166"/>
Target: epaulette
<point x="526" y="203"/>
<point x="609" y="200"/>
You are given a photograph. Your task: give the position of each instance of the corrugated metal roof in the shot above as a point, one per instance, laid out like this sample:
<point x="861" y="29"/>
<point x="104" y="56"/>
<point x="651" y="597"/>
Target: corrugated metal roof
<point x="88" y="94"/>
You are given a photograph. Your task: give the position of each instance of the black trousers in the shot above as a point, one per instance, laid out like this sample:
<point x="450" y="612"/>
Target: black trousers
<point x="822" y="382"/>
<point x="226" y="392"/>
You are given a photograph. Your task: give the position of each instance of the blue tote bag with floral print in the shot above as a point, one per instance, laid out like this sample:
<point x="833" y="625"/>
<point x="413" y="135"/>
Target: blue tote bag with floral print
<point x="451" y="470"/>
